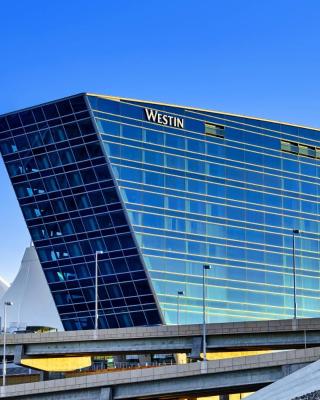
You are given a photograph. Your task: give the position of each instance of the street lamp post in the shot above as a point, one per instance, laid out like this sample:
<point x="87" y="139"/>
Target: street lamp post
<point x="96" y="316"/>
<point x="204" y="338"/>
<point x="4" y="364"/>
<point x="294" y="233"/>
<point x="180" y="293"/>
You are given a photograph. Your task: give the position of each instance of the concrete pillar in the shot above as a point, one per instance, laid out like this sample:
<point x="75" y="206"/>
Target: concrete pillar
<point x="105" y="394"/>
<point x="196" y="348"/>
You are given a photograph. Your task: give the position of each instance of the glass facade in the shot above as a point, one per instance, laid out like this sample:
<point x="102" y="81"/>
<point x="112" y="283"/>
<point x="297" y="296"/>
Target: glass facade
<point x="162" y="190"/>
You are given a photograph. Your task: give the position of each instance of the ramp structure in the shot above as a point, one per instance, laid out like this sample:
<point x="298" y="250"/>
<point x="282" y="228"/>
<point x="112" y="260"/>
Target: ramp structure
<point x="303" y="384"/>
<point x="233" y="375"/>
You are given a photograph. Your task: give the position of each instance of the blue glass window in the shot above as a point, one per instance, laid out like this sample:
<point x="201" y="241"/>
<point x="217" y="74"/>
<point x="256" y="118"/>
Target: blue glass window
<point x="62" y="181"/>
<point x="43" y="161"/>
<point x="74" y="178"/>
<point x="131" y="174"/>
<point x="35" y="140"/>
<point x="54" y="159"/>
<point x="104" y="221"/>
<point x="50" y="184"/>
<point x="8" y="147"/>
<point x="113" y="150"/>
<point x="112" y="243"/>
<point x="96" y="198"/>
<point x="88" y="176"/>
<point x="82" y="201"/>
<point x="131" y="132"/>
<point x="102" y="173"/>
<point x="152" y="157"/>
<point x="86" y="127"/>
<point x="110" y="196"/>
<point x="153" y="199"/>
<point x="80" y="153"/>
<point x="177" y="142"/>
<point x="196" y="166"/>
<point x="175" y="182"/>
<point x="13" y="121"/>
<point x="196" y="146"/>
<point x="176" y="203"/>
<point x="118" y="218"/>
<point x="72" y="130"/>
<point x="107" y="127"/>
<point x="58" y="134"/>
<point x="154" y="137"/>
<point x="196" y="186"/>
<point x="131" y="153"/>
<point x="50" y="111"/>
<point x="152" y="178"/>
<point x="66" y="228"/>
<point x="175" y="162"/>
<point x="90" y="223"/>
<point x="66" y="156"/>
<point x="94" y="150"/>
<point x="15" y="168"/>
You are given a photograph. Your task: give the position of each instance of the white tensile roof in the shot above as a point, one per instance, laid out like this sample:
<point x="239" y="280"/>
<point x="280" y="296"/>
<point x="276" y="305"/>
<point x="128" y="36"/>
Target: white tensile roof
<point x="3" y="286"/>
<point x="33" y="304"/>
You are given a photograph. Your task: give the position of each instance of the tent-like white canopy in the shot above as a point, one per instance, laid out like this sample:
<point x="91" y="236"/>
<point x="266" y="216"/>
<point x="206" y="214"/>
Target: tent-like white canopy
<point x="3" y="286"/>
<point x="33" y="304"/>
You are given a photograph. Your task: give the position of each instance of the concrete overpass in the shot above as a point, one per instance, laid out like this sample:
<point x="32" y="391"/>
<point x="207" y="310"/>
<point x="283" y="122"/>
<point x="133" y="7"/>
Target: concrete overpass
<point x="188" y="380"/>
<point x="258" y="335"/>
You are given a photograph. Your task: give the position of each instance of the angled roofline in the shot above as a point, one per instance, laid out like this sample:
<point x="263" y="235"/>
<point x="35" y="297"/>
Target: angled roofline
<point x="43" y="103"/>
<point x="116" y="98"/>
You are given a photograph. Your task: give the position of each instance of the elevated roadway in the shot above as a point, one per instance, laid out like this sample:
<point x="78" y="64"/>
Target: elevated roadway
<point x="178" y="381"/>
<point x="237" y="336"/>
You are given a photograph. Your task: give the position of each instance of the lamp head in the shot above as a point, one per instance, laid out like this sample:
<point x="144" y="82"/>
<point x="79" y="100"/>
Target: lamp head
<point x="296" y="231"/>
<point x="180" y="293"/>
<point x="8" y="303"/>
<point x="206" y="266"/>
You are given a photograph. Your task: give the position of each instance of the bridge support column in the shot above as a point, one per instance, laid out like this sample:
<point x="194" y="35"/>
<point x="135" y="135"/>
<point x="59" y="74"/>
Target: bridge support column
<point x="18" y="354"/>
<point x="105" y="394"/>
<point x="196" y="348"/>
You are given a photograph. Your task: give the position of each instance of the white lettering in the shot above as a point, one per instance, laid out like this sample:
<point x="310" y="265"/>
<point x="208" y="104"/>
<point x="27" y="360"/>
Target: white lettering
<point x="180" y="123"/>
<point x="151" y="114"/>
<point x="164" y="119"/>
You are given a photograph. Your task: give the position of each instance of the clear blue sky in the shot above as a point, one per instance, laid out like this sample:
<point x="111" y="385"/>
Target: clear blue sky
<point x="252" y="57"/>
